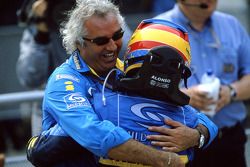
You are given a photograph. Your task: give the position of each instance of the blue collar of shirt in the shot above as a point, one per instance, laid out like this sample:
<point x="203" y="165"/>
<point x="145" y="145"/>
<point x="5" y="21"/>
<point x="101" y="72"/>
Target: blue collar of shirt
<point x="78" y="64"/>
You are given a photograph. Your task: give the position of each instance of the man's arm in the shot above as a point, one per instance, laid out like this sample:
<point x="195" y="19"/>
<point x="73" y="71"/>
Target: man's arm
<point x="241" y="88"/>
<point x="59" y="147"/>
<point x="136" y="152"/>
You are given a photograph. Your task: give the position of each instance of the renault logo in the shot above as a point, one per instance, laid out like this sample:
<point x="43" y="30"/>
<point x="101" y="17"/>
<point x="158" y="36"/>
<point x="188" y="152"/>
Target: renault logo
<point x="149" y="116"/>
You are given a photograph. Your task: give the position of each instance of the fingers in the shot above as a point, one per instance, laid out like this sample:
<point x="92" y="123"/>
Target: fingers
<point x="172" y="149"/>
<point x="172" y="123"/>
<point x="159" y="138"/>
<point x="165" y="130"/>
<point x="201" y="102"/>
<point x="160" y="129"/>
<point x="199" y="99"/>
<point x="224" y="97"/>
<point x="162" y="144"/>
<point x="166" y="146"/>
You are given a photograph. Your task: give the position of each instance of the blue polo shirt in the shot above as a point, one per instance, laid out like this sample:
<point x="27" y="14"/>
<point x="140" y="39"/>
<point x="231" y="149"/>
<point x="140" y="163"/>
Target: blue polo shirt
<point x="223" y="45"/>
<point x="67" y="102"/>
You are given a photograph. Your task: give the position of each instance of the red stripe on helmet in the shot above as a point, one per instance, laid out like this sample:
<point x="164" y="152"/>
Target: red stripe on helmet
<point x="149" y="45"/>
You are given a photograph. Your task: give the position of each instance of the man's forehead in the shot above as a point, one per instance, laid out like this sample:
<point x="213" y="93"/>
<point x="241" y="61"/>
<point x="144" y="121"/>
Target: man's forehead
<point x="102" y="25"/>
<point x="107" y="18"/>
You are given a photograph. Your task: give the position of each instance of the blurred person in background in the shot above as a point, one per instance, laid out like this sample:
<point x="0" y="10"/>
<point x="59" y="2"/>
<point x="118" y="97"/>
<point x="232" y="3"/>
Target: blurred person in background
<point x="218" y="42"/>
<point x="160" y="6"/>
<point x="130" y="7"/>
<point x="12" y="135"/>
<point x="2" y="159"/>
<point x="41" y="49"/>
<point x="144" y="6"/>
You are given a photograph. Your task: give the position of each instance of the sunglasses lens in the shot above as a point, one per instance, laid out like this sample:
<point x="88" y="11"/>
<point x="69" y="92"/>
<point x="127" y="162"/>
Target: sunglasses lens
<point x="104" y="40"/>
<point x="118" y="35"/>
<point x="101" y="40"/>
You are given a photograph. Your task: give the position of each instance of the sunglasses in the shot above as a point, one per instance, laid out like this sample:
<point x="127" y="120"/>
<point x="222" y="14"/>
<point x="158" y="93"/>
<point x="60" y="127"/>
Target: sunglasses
<point x="104" y="40"/>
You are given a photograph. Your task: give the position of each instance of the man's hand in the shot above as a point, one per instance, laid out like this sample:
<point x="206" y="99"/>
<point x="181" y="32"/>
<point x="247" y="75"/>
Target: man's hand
<point x="177" y="139"/>
<point x="224" y="97"/>
<point x="38" y="8"/>
<point x="198" y="99"/>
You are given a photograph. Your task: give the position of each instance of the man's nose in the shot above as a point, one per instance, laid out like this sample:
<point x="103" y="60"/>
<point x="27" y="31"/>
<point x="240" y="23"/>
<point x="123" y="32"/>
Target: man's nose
<point x="112" y="46"/>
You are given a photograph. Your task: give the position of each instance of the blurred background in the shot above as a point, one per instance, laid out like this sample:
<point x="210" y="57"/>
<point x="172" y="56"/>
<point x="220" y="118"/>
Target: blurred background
<point x="16" y="102"/>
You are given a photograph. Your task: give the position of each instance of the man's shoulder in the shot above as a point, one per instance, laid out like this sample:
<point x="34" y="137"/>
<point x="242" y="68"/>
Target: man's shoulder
<point x="190" y="109"/>
<point x="66" y="81"/>
<point x="66" y="73"/>
<point x="165" y="15"/>
<point x="222" y="17"/>
<point x="64" y="68"/>
<point x="170" y="15"/>
<point x="233" y="26"/>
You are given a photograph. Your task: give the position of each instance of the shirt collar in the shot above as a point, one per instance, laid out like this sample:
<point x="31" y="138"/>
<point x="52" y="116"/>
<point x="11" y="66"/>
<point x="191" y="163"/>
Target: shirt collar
<point x="178" y="14"/>
<point x="77" y="63"/>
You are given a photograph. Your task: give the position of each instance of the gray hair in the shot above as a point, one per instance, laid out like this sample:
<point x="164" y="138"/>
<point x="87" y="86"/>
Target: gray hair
<point x="73" y="29"/>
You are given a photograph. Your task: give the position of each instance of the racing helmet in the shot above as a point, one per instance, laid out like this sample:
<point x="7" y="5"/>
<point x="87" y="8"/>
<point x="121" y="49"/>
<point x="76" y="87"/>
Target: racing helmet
<point x="152" y="33"/>
<point x="158" y="57"/>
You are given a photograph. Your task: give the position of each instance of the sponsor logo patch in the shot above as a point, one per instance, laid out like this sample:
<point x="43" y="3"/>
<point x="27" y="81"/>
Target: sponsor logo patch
<point x="149" y="116"/>
<point x="69" y="86"/>
<point x="77" y="62"/>
<point x="67" y="76"/>
<point x="90" y="90"/>
<point x="160" y="82"/>
<point x="75" y="100"/>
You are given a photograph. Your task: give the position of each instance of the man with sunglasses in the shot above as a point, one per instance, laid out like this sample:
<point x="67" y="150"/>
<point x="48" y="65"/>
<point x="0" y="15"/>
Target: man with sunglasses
<point x="93" y="37"/>
<point x="218" y="42"/>
<point x="41" y="49"/>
